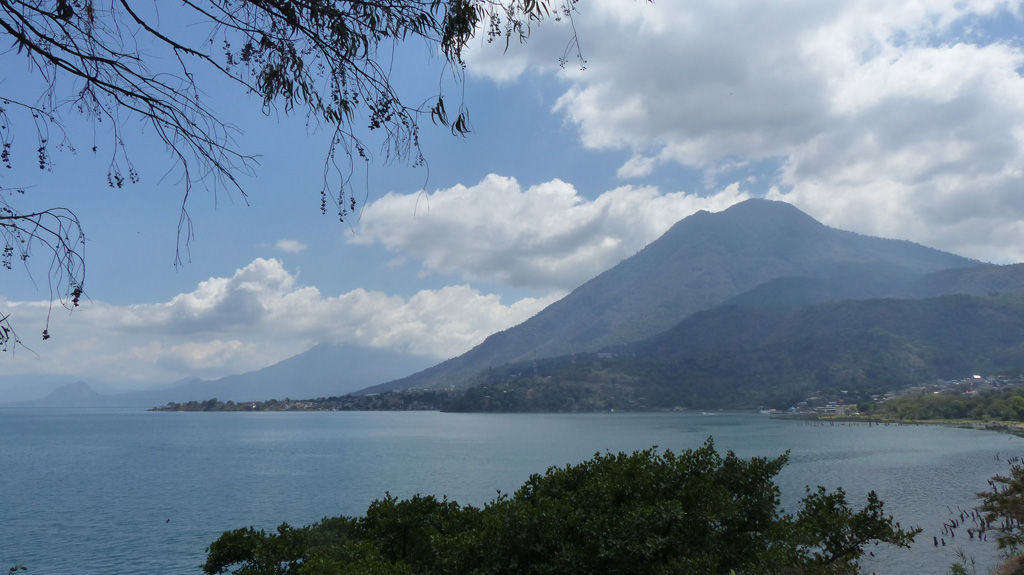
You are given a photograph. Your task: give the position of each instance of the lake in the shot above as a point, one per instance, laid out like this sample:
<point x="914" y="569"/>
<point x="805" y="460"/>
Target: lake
<point x="118" y="491"/>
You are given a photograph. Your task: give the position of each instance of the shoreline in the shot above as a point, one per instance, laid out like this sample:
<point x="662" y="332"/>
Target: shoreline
<point x="1010" y="427"/>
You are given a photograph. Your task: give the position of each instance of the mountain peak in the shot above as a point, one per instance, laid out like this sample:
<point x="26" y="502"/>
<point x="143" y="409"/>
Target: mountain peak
<point x="755" y="210"/>
<point x="764" y="205"/>
<point x="76" y="389"/>
<point x="701" y="262"/>
<point x="77" y="394"/>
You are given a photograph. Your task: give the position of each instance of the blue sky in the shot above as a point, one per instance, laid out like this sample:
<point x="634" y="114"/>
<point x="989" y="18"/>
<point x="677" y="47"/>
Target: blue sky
<point x="902" y="120"/>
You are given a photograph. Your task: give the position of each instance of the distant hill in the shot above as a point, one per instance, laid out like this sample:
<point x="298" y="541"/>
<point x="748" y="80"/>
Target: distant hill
<point x="322" y="371"/>
<point x="768" y="252"/>
<point x="78" y="394"/>
<point x="739" y="357"/>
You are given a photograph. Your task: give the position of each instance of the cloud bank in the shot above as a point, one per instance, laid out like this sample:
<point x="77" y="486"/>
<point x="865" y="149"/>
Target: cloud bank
<point x="898" y="119"/>
<point x="257" y="317"/>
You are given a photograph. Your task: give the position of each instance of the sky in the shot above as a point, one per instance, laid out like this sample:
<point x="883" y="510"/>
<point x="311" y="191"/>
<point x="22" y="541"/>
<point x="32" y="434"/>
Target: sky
<point x="895" y="119"/>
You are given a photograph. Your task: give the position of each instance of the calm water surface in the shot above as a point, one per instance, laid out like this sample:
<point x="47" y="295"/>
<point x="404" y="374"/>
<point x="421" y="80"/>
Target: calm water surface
<point x="91" y="491"/>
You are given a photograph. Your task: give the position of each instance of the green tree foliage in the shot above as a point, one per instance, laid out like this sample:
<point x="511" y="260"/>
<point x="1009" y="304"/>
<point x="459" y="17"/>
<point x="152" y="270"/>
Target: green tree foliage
<point x="120" y="62"/>
<point x="647" y="512"/>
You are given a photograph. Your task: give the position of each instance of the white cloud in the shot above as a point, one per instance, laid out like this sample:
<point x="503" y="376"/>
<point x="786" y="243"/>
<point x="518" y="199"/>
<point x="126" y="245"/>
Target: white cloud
<point x="545" y="237"/>
<point x="257" y="317"/>
<point x="901" y="119"/>
<point x="290" y="246"/>
<point x="637" y="167"/>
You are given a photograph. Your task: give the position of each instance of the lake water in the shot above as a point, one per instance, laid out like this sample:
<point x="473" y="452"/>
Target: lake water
<point x="105" y="491"/>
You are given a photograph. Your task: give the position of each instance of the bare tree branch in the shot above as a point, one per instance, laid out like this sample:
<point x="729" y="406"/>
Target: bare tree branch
<point x="58" y="232"/>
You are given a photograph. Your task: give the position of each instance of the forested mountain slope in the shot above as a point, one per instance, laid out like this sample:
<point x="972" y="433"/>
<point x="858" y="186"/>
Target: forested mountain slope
<point x="740" y="357"/>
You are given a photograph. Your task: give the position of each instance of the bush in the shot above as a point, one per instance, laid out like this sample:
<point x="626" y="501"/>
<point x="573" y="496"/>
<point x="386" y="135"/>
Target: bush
<point x="642" y="513"/>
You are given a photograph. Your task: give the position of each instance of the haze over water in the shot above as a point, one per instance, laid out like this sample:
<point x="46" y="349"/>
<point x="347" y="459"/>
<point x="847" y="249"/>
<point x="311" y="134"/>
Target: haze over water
<point x="125" y="491"/>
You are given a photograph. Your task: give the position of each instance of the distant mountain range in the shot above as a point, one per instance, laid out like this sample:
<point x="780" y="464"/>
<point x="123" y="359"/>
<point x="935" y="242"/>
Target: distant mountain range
<point x="756" y="253"/>
<point x="322" y="371"/>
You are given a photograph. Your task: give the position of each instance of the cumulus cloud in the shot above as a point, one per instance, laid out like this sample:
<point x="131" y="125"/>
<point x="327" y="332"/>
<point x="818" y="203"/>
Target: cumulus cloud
<point x="256" y="317"/>
<point x="546" y="237"/>
<point x="901" y="119"/>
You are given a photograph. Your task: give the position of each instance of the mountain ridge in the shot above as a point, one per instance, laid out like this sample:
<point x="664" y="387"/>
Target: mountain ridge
<point x="700" y="262"/>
